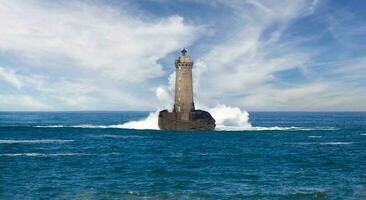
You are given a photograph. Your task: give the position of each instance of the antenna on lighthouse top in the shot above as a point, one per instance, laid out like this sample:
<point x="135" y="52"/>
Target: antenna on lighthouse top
<point x="184" y="52"/>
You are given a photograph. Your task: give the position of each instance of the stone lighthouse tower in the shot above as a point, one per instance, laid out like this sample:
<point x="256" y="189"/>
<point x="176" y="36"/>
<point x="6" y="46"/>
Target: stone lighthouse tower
<point x="183" y="103"/>
<point x="185" y="116"/>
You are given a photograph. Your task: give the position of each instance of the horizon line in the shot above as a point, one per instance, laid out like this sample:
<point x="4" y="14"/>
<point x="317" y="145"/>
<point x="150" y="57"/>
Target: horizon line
<point x="154" y="111"/>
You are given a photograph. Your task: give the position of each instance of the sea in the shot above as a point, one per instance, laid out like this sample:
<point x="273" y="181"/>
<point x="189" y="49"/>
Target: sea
<point x="100" y="155"/>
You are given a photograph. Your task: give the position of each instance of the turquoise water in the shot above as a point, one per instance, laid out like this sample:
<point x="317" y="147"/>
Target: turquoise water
<point x="65" y="155"/>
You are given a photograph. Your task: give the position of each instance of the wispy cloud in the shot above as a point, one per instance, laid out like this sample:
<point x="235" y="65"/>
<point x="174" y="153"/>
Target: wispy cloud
<point x="258" y="55"/>
<point x="9" y="76"/>
<point x="82" y="48"/>
<point x="22" y="103"/>
<point x="244" y="70"/>
<point x="94" y="37"/>
<point x="247" y="62"/>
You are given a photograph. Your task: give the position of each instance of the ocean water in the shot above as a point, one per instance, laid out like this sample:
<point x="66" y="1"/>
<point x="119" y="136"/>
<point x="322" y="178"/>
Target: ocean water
<point x="94" y="155"/>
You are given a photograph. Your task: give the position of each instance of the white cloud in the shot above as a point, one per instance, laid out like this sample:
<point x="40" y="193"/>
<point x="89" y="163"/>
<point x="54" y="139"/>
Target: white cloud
<point x="81" y="54"/>
<point x="85" y="55"/>
<point x="242" y="70"/>
<point x="163" y="95"/>
<point x="10" y="102"/>
<point x="70" y="94"/>
<point x="89" y="36"/>
<point x="298" y="97"/>
<point x="10" y="77"/>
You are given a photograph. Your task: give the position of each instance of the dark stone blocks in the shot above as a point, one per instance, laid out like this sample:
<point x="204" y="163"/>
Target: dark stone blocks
<point x="198" y="120"/>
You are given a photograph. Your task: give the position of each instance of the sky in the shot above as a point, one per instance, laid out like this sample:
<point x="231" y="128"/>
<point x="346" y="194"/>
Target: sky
<point x="258" y="55"/>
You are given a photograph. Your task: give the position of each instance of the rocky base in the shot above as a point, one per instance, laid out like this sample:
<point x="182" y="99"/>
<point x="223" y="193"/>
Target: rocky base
<point x="198" y="120"/>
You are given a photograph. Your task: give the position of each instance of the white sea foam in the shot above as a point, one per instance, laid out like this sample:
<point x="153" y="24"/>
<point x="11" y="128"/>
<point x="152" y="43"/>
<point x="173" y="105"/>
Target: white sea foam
<point x="49" y="126"/>
<point x="230" y="117"/>
<point x="314" y="136"/>
<point x="364" y="134"/>
<point x="227" y="119"/>
<point x="116" y="136"/>
<point x="150" y="122"/>
<point x="323" y="143"/>
<point x="146" y="124"/>
<point x="74" y="126"/>
<point x="336" y="143"/>
<point x="34" y="141"/>
<point x="91" y="126"/>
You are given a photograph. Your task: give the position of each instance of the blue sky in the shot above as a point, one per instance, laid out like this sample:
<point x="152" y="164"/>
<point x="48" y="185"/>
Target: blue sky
<point x="305" y="55"/>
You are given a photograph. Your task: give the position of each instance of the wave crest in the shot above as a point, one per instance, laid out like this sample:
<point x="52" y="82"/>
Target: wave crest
<point x="34" y="141"/>
<point x="227" y="119"/>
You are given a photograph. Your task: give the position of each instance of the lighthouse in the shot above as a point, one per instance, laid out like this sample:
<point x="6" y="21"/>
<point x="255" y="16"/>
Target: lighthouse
<point x="184" y="115"/>
<point x="183" y="103"/>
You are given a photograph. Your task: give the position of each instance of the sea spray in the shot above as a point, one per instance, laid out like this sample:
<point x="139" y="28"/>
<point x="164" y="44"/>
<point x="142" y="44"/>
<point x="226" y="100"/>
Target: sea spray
<point x="230" y="117"/>
<point x="150" y="122"/>
<point x="227" y="118"/>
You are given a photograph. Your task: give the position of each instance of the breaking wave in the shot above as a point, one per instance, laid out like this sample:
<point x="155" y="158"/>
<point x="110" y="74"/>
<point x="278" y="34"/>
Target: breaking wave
<point x="34" y="141"/>
<point x="141" y="126"/>
<point x="230" y="118"/>
<point x="227" y="119"/>
<point x="149" y="123"/>
<point x="218" y="128"/>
